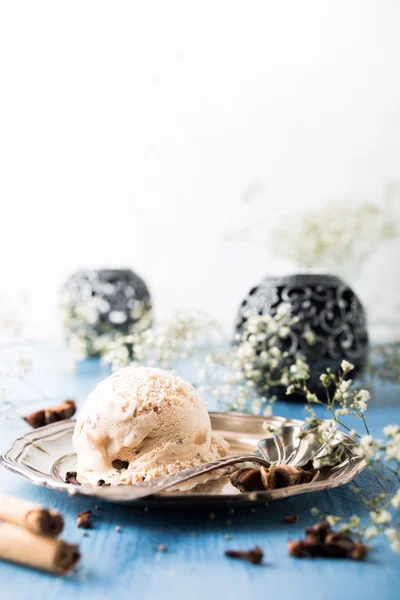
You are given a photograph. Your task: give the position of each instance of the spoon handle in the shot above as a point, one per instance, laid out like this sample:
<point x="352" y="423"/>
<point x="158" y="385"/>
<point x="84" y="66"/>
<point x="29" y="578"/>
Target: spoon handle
<point x="162" y="483"/>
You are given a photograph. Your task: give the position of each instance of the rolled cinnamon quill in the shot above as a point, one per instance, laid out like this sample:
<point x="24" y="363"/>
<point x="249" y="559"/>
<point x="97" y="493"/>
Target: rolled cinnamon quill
<point x="31" y="516"/>
<point x="37" y="551"/>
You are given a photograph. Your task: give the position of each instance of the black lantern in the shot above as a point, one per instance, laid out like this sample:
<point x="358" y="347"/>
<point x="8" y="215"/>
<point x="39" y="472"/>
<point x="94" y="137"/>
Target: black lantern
<point x="330" y="326"/>
<point x="98" y="305"/>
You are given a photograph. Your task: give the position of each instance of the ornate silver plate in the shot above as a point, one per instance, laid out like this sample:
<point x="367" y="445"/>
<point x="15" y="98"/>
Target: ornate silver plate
<point x="45" y="455"/>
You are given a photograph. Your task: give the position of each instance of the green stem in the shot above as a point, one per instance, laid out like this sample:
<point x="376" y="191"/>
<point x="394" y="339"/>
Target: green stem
<point x="365" y="424"/>
<point x="346" y="427"/>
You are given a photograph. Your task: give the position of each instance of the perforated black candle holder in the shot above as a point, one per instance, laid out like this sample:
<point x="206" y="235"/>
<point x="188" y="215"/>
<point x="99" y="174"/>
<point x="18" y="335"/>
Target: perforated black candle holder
<point x="98" y="305"/>
<point x="324" y="305"/>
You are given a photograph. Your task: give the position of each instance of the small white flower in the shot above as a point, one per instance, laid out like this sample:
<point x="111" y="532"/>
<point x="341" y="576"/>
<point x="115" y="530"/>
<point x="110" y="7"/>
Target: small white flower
<point x="371" y="532"/>
<point x="325" y="379"/>
<point x="341" y="412"/>
<point x="345" y="385"/>
<point x="395" y="545"/>
<point x="380" y="518"/>
<point x="284" y="332"/>
<point x="256" y="406"/>
<point x="391" y="430"/>
<point x="346" y="366"/>
<point x="332" y="520"/>
<point x="267" y="411"/>
<point x="361" y="400"/>
<point x="299" y="370"/>
<point x="285" y="380"/>
<point x="253" y="340"/>
<point x="326" y="426"/>
<point x="309" y="336"/>
<point x="88" y="312"/>
<point x="77" y="348"/>
<point x="311" y="398"/>
<point x="392" y="451"/>
<point x="284" y="309"/>
<point x="391" y="533"/>
<point x="395" y="501"/>
<point x="366" y="448"/>
<point x="275" y="352"/>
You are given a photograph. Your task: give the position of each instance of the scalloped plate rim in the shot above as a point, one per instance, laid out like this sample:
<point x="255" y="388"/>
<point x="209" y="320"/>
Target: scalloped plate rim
<point x="9" y="459"/>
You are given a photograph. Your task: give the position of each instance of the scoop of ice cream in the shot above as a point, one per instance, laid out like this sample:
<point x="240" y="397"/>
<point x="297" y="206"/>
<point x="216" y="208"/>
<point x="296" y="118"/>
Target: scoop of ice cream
<point x="141" y="423"/>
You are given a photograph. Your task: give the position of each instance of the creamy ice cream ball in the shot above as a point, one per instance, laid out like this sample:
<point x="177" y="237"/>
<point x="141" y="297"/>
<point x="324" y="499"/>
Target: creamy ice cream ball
<point x="141" y="423"/>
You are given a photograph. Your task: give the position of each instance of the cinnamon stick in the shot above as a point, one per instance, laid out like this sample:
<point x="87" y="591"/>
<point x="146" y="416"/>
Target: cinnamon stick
<point x="37" y="551"/>
<point x="31" y="516"/>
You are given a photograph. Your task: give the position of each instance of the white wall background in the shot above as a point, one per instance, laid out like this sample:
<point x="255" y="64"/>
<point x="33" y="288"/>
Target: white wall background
<point x="157" y="134"/>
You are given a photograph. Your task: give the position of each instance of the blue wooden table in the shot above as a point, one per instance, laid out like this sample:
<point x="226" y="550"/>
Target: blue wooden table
<point x="127" y="564"/>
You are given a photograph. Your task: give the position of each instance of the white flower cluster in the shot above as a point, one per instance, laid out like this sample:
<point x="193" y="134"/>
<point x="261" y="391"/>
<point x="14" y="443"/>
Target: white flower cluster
<point x="88" y="334"/>
<point x="177" y="338"/>
<point x="393" y="535"/>
<point x="369" y="448"/>
<point x="324" y="239"/>
<point x="392" y="448"/>
<point x="258" y="362"/>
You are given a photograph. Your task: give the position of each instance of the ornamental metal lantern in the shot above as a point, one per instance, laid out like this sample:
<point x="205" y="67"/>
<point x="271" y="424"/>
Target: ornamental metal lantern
<point x="98" y="306"/>
<point x="330" y="324"/>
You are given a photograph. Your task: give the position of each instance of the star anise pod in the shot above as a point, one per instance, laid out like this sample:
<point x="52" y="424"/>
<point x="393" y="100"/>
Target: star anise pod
<point x="270" y="478"/>
<point x="320" y="540"/>
<point x="42" y="417"/>
<point x="247" y="480"/>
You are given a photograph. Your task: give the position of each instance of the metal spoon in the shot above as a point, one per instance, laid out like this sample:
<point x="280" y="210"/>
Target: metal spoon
<point x="160" y="484"/>
<point x="273" y="450"/>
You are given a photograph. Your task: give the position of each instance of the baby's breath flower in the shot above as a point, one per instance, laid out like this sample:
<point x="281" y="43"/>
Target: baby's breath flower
<point x="380" y="517"/>
<point x="284" y="332"/>
<point x="77" y="347"/>
<point x="309" y="336"/>
<point x="300" y="369"/>
<point x="361" y="400"/>
<point x="393" y="535"/>
<point x="346" y="366"/>
<point x="325" y="379"/>
<point x="371" y="532"/>
<point x="368" y="448"/>
<point x="332" y="520"/>
<point x="311" y="397"/>
<point x="340" y="412"/>
<point x="284" y="309"/>
<point x="285" y="380"/>
<point x="324" y="238"/>
<point x="345" y="385"/>
<point x="392" y="451"/>
<point x="391" y="430"/>
<point x="395" y="501"/>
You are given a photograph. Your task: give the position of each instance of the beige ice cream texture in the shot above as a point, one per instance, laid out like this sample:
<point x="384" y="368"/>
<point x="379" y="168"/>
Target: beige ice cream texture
<point x="151" y="420"/>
